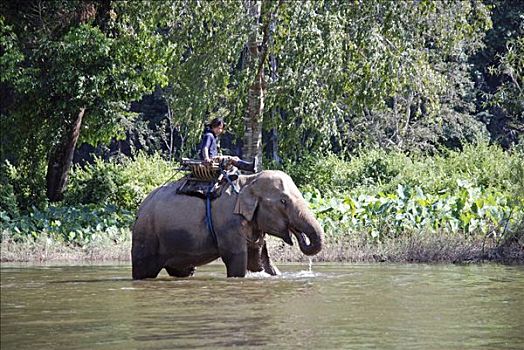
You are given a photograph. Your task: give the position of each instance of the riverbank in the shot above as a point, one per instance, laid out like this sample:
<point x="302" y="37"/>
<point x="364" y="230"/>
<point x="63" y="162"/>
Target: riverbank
<point x="411" y="249"/>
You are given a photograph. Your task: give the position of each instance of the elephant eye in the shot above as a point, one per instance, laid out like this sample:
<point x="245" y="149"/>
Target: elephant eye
<point x="283" y="201"/>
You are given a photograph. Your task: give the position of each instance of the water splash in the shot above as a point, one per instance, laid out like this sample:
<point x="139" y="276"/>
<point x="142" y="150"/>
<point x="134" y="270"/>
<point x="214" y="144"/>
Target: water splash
<point x="306" y="273"/>
<point x="300" y="274"/>
<point x="255" y="275"/>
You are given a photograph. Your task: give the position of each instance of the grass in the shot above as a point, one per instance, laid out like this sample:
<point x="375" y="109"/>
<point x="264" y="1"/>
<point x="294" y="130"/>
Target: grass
<point x="424" y="248"/>
<point x="45" y="249"/>
<point x="415" y="248"/>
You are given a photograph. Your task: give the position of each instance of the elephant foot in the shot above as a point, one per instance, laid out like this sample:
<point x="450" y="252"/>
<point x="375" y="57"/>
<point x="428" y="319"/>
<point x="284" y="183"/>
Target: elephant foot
<point x="184" y="272"/>
<point x="146" y="268"/>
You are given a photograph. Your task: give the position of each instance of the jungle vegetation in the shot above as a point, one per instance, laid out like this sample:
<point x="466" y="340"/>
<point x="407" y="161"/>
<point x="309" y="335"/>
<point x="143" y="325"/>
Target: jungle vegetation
<point x="393" y="117"/>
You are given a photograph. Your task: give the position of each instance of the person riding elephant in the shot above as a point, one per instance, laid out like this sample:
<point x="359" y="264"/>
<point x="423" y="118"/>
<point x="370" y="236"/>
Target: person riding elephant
<point x="171" y="230"/>
<point x="209" y="146"/>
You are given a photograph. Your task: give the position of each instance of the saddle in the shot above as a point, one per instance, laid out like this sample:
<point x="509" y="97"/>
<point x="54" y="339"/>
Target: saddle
<point x="206" y="180"/>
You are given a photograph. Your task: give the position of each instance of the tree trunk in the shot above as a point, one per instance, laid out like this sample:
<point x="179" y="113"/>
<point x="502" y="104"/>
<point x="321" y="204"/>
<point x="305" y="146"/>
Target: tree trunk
<point x="273" y="133"/>
<point x="61" y="159"/>
<point x="257" y="55"/>
<point x="253" y="122"/>
<point x="61" y="156"/>
<point x="273" y="146"/>
<point x="255" y="103"/>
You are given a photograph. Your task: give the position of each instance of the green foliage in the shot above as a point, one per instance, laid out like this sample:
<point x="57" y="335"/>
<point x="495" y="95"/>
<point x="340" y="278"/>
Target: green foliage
<point x="314" y="171"/>
<point x="101" y="183"/>
<point x="510" y="94"/>
<point x="123" y="184"/>
<point x="76" y="224"/>
<point x="207" y="38"/>
<point x="8" y="202"/>
<point x="11" y="55"/>
<point x="20" y="191"/>
<point x="393" y="74"/>
<point x="346" y="80"/>
<point x="75" y="59"/>
<point x="467" y="211"/>
<point x="341" y="75"/>
<point x="332" y="174"/>
<point x="479" y="190"/>
<point x="498" y="72"/>
<point x="102" y="201"/>
<point x="486" y="166"/>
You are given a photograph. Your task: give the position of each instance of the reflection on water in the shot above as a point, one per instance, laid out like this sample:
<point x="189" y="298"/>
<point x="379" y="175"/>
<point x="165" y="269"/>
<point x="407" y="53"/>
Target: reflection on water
<point x="328" y="307"/>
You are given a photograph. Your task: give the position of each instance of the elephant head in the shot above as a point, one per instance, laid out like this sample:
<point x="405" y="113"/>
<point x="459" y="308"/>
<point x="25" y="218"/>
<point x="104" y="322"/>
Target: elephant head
<point x="272" y="202"/>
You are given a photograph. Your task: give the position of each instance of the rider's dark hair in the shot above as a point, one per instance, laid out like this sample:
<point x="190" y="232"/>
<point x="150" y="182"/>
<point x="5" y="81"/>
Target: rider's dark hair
<point x="216" y="122"/>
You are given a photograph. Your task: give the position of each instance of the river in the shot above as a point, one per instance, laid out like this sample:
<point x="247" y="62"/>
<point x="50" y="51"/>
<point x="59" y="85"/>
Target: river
<point x="331" y="306"/>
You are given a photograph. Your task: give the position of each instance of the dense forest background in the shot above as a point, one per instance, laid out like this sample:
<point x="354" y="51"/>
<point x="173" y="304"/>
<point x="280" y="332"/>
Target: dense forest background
<point x="296" y="81"/>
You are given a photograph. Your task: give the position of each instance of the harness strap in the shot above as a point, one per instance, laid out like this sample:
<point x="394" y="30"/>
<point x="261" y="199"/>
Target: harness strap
<point x="226" y="175"/>
<point x="209" y="216"/>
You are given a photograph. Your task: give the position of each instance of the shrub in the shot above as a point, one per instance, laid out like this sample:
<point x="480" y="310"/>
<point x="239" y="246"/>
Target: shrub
<point x="479" y="190"/>
<point x="467" y="211"/>
<point x="377" y="171"/>
<point x="122" y="183"/>
<point x="101" y="200"/>
<point x="8" y="202"/>
<point x="19" y="191"/>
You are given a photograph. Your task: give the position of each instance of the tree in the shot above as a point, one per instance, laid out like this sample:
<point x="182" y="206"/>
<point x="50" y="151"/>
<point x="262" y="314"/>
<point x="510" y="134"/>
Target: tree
<point x="343" y="74"/>
<point x="84" y="62"/>
<point x="324" y="75"/>
<point x="206" y="38"/>
<point x="498" y="73"/>
<point x="357" y="74"/>
<point x="509" y="95"/>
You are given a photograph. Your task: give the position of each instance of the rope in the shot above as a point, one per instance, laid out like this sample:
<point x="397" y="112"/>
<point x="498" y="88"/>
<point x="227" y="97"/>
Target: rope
<point x="172" y="176"/>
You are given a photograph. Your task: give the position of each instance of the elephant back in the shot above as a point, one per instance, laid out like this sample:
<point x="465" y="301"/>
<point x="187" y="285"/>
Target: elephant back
<point x="190" y="186"/>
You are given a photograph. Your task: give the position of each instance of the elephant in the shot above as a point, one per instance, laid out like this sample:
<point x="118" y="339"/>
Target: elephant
<point x="170" y="230"/>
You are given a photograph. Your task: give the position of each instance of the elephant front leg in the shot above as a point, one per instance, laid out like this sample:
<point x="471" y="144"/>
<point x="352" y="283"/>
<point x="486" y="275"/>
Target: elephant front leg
<point x="236" y="264"/>
<point x="267" y="263"/>
<point x="258" y="260"/>
<point x="254" y="262"/>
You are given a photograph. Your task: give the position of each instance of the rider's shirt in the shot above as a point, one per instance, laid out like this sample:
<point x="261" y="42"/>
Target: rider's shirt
<point x="209" y="140"/>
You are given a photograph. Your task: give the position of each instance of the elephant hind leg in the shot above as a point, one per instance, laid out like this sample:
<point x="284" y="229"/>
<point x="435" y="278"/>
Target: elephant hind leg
<point x="146" y="268"/>
<point x="181" y="272"/>
<point x="145" y="258"/>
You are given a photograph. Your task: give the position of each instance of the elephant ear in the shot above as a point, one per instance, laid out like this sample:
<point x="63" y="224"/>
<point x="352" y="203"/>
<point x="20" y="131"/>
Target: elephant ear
<point x="246" y="204"/>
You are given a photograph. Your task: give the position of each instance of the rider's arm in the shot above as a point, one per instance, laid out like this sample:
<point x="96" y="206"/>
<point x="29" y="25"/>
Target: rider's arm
<point x="205" y="153"/>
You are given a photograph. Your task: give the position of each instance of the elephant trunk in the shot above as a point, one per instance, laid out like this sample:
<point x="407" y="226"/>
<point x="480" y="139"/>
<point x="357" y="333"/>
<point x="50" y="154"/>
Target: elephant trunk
<point x="308" y="232"/>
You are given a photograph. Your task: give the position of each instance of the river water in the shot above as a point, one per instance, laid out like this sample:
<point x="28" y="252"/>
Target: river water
<point x="357" y="306"/>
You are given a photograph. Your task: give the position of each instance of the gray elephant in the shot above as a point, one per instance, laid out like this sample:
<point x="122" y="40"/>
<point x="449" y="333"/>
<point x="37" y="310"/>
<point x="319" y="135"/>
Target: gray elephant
<point x="171" y="232"/>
